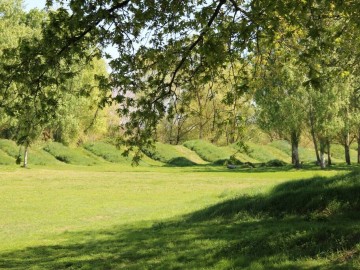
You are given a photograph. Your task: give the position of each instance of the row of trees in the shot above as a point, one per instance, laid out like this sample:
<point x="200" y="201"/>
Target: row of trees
<point x="210" y="67"/>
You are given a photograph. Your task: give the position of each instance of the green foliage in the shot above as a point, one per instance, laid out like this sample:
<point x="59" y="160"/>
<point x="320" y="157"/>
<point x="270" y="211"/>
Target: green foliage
<point x="76" y="156"/>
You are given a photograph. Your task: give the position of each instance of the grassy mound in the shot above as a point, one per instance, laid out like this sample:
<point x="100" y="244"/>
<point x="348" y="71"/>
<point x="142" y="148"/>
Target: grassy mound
<point x="107" y="151"/>
<point x="9" y="147"/>
<point x="76" y="156"/>
<point x="36" y="156"/>
<point x="305" y="154"/>
<point x="5" y="159"/>
<point x="168" y="154"/>
<point x="112" y="154"/>
<point x="338" y="152"/>
<point x="265" y="153"/>
<point x="208" y="151"/>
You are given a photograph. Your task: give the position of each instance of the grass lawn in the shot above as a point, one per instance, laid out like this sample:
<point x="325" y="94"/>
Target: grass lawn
<point x="201" y="217"/>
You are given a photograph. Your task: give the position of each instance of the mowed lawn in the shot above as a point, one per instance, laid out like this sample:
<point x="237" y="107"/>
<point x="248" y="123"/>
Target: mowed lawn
<point x="120" y="217"/>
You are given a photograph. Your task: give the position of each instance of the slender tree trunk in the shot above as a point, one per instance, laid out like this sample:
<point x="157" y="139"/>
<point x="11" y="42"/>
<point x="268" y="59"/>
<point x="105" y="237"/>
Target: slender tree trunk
<point x="26" y="156"/>
<point x="315" y="146"/>
<point x="171" y="132"/>
<point x="295" y="150"/>
<point x="347" y="149"/>
<point x="329" y="152"/>
<point x="178" y="131"/>
<point x="322" y="154"/>
<point x="314" y="137"/>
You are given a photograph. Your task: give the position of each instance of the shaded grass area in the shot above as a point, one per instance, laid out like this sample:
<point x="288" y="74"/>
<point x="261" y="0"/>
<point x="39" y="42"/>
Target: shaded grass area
<point x="76" y="156"/>
<point x="304" y="224"/>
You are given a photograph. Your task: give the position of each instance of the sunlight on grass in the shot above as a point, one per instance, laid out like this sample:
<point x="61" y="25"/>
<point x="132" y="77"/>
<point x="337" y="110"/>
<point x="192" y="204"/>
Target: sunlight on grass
<point x="120" y="217"/>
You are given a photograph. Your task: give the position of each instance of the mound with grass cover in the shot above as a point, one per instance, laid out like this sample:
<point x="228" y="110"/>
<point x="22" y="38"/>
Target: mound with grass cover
<point x="338" y="152"/>
<point x="5" y="159"/>
<point x="168" y="154"/>
<point x="76" y="156"/>
<point x="306" y="155"/>
<point x="107" y="151"/>
<point x="209" y="152"/>
<point x="36" y="156"/>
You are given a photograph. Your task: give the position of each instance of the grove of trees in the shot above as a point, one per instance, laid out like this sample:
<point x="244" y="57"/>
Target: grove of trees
<point x="215" y="70"/>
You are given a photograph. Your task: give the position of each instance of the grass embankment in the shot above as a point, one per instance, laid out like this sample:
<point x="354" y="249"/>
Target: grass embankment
<point x="173" y="155"/>
<point x="218" y="155"/>
<point x="37" y="156"/>
<point x="210" y="152"/>
<point x="75" y="156"/>
<point x="179" y="218"/>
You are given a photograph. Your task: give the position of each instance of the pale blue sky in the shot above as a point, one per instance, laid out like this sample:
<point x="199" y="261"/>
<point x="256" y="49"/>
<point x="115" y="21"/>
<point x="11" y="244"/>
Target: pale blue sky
<point x="29" y="4"/>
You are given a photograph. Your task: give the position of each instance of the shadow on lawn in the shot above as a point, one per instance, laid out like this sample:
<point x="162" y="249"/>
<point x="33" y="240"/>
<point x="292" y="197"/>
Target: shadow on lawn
<point x="295" y="226"/>
<point x="266" y="169"/>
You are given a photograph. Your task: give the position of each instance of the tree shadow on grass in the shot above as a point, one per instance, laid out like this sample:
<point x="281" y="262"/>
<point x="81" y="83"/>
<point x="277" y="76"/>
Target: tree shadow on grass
<point x="306" y="224"/>
<point x="266" y="169"/>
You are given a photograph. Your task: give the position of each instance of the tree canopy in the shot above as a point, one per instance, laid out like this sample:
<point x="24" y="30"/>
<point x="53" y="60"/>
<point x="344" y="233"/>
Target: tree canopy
<point x="167" y="49"/>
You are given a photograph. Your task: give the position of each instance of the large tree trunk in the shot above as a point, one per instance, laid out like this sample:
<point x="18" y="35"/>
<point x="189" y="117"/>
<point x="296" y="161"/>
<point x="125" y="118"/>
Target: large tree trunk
<point x="347" y="149"/>
<point x="26" y="156"/>
<point x="295" y="149"/>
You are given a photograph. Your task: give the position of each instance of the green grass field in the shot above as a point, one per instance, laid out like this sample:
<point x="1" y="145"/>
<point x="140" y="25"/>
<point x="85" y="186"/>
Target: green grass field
<point x="113" y="216"/>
